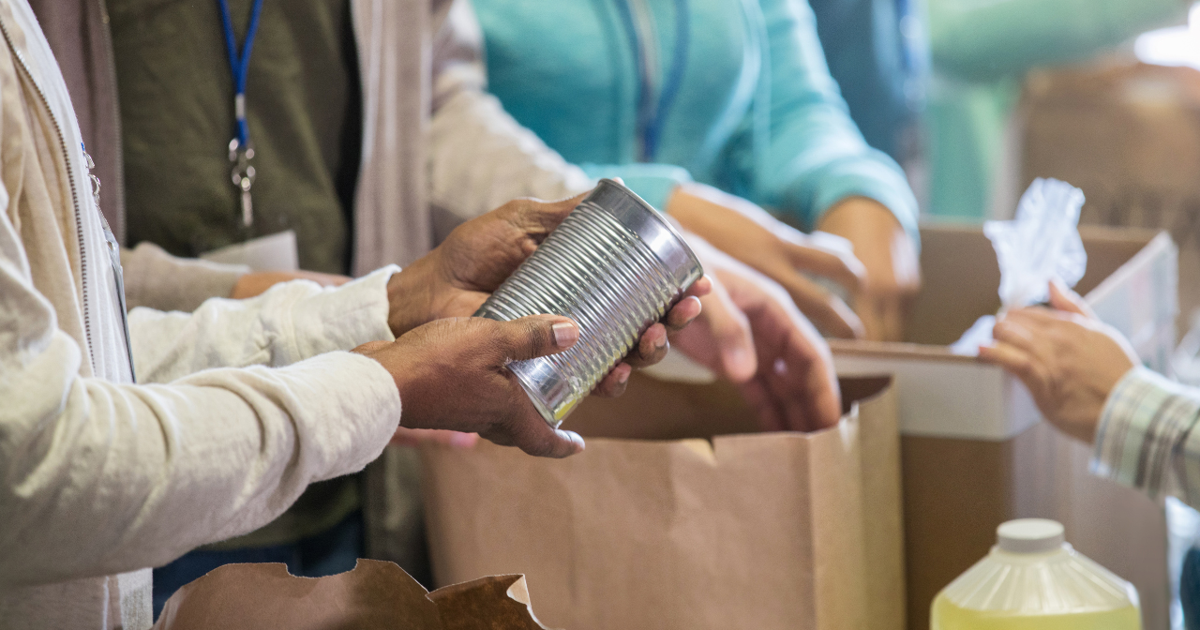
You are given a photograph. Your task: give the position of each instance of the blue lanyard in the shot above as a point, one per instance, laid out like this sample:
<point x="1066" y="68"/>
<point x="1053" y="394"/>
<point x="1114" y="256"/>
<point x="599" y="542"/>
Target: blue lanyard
<point x="240" y="151"/>
<point x="652" y="117"/>
<point x="240" y="64"/>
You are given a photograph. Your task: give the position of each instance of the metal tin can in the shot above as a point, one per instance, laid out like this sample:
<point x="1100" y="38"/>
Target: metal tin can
<point x="615" y="266"/>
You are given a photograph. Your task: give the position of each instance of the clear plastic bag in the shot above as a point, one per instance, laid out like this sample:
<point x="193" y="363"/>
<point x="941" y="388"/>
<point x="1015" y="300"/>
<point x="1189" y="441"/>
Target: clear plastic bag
<point x="1041" y="244"/>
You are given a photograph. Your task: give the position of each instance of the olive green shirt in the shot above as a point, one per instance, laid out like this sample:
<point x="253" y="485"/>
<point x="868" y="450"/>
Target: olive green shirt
<point x="304" y="111"/>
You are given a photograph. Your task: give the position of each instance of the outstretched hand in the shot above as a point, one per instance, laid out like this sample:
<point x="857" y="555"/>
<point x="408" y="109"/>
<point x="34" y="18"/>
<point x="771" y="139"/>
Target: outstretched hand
<point x="457" y="276"/>
<point x="780" y="252"/>
<point x="1069" y="360"/>
<point x="889" y="256"/>
<point x="752" y="333"/>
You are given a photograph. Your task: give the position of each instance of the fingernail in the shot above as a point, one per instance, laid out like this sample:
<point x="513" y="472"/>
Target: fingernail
<point x="623" y="377"/>
<point x="565" y="335"/>
<point x="660" y="343"/>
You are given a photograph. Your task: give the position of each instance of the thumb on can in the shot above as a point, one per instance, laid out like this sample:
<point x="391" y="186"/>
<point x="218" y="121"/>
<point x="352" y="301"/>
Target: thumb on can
<point x="537" y="336"/>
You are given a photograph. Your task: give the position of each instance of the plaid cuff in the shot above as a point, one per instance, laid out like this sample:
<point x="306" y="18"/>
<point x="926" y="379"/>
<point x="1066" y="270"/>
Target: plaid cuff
<point x="1145" y="439"/>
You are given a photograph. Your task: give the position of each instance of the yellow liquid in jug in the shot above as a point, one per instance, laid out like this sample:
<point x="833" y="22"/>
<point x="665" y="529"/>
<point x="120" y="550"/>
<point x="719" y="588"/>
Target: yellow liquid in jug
<point x="947" y="616"/>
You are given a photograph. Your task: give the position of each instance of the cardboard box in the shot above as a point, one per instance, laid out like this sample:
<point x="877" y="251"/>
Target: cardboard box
<point x="973" y="448"/>
<point x="1128" y="134"/>
<point x="655" y="526"/>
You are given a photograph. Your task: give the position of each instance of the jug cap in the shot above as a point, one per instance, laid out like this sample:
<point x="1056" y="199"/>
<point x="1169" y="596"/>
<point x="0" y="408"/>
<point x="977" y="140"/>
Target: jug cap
<point x="1030" y="535"/>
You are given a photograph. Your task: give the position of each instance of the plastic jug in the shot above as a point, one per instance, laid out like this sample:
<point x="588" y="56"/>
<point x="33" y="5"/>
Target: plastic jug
<point x="1033" y="579"/>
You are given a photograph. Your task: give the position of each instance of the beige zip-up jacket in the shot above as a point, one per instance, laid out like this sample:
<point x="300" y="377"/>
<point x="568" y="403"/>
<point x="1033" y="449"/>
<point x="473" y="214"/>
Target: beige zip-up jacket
<point x="437" y="150"/>
<point x="100" y="478"/>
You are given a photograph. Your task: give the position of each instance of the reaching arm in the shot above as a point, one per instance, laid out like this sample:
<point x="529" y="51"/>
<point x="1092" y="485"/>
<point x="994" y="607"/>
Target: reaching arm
<point x="101" y="478"/>
<point x="290" y="322"/>
<point x="158" y="280"/>
<point x="1087" y="381"/>
<point x="1145" y="438"/>
<point x="811" y="156"/>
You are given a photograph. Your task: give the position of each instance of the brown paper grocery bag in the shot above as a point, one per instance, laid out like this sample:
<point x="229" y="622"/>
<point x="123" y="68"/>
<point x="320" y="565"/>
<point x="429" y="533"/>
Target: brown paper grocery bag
<point x="373" y="596"/>
<point x="674" y="531"/>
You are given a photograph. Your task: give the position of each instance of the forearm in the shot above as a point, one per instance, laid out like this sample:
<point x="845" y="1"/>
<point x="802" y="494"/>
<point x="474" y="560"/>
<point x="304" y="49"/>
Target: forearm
<point x="119" y="477"/>
<point x="1145" y="438"/>
<point x="813" y="156"/>
<point x="158" y="280"/>
<point x="290" y="322"/>
<point x="479" y="156"/>
<point x="807" y="194"/>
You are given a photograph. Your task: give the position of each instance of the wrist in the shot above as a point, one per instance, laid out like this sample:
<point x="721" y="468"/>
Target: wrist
<point x="410" y="297"/>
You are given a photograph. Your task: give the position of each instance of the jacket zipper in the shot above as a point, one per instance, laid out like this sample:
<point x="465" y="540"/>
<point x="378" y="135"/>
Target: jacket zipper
<point x="62" y="143"/>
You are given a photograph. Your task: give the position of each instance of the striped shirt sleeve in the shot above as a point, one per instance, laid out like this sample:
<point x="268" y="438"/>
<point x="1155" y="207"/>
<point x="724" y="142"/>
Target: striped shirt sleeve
<point x="1145" y="438"/>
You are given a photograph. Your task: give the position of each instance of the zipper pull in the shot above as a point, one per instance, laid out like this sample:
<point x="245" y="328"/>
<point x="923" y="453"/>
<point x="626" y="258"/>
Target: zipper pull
<point x="91" y="164"/>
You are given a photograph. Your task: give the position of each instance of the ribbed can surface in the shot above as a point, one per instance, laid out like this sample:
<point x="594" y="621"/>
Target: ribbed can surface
<point x="615" y="266"/>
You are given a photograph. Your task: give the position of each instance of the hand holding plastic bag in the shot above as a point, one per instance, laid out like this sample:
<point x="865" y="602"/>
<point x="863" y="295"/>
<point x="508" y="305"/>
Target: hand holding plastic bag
<point x="1042" y="243"/>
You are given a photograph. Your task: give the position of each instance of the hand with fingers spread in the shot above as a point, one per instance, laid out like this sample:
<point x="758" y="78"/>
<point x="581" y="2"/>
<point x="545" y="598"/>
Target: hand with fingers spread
<point x="1068" y="359"/>
<point x="751" y="333"/>
<point x="782" y="253"/>
<point x="452" y="375"/>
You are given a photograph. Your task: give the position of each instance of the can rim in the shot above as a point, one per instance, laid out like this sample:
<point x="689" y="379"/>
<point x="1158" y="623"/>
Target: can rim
<point x="689" y="269"/>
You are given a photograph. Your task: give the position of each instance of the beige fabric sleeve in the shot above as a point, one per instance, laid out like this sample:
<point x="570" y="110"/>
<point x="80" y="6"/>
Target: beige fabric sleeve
<point x="102" y="478"/>
<point x="158" y="280"/>
<point x="479" y="156"/>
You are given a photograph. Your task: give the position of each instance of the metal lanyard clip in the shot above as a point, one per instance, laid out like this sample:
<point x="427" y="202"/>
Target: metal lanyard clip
<point x="243" y="176"/>
<point x="240" y="150"/>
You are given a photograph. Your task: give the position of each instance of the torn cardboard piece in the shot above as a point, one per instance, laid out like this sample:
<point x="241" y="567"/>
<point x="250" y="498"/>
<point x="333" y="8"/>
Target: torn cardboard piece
<point x="373" y="595"/>
<point x="680" y="515"/>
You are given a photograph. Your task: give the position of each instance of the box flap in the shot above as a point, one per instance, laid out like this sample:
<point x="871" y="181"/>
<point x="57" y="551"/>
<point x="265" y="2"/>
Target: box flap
<point x="962" y="278"/>
<point x="674" y="411"/>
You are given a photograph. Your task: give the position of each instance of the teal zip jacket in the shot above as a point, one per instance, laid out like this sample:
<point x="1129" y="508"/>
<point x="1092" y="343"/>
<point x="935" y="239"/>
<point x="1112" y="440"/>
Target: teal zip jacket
<point x="731" y="93"/>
